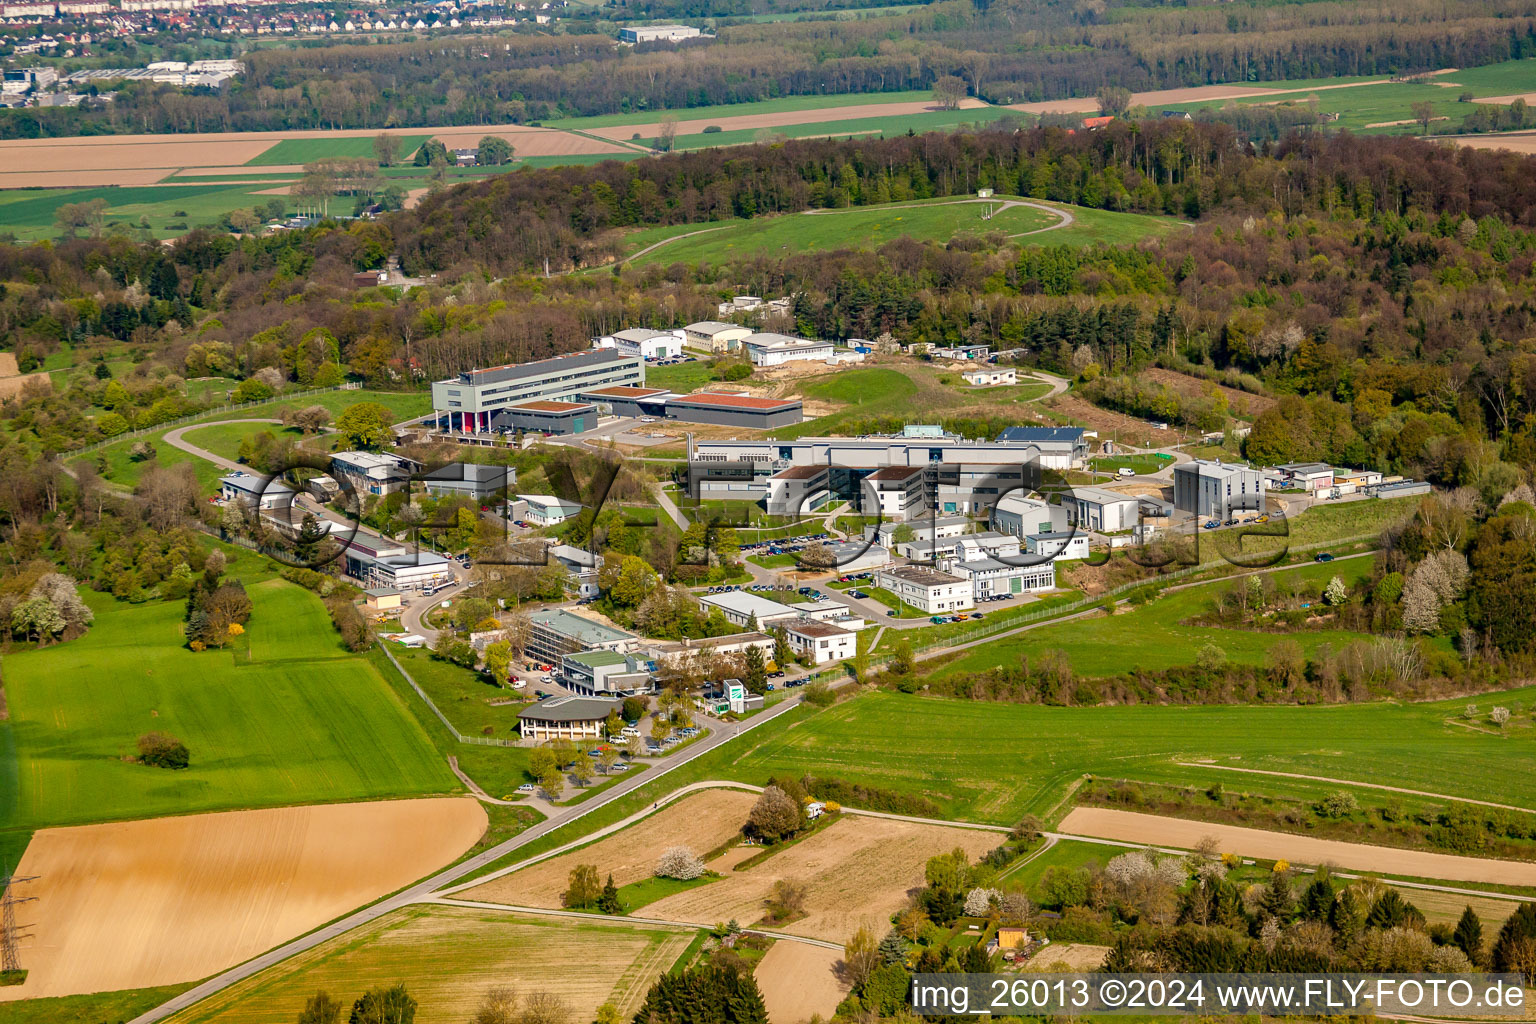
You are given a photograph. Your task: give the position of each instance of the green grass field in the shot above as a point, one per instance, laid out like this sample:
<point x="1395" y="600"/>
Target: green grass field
<point x="448" y="956"/>
<point x="1140" y="463"/>
<point x="29" y="213"/>
<point x="1152" y="636"/>
<point x="293" y="719"/>
<point x="682" y="378"/>
<point x="858" y="127"/>
<point x="96" y="1008"/>
<point x="303" y="151"/>
<point x="857" y="228"/>
<point x="993" y="762"/>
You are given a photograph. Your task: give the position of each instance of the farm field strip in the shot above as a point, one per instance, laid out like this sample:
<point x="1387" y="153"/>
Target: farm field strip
<point x="448" y="956"/>
<point x="170" y="900"/>
<point x="1184" y="833"/>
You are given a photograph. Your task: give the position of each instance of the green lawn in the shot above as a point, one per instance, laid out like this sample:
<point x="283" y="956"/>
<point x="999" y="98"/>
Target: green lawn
<point x="648" y="890"/>
<point x="225" y="438"/>
<point x="1152" y="636"/>
<point x="1140" y="463"/>
<point x="96" y="1008"/>
<point x="993" y="762"/>
<point x="122" y="470"/>
<point x="303" y="151"/>
<point x="683" y="378"/>
<point x="294" y="719"/>
<point x="872" y="126"/>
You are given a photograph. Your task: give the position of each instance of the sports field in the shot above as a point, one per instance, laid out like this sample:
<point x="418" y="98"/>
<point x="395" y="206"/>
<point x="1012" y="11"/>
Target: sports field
<point x="448" y="957"/>
<point x="986" y="761"/>
<point x="293" y="719"/>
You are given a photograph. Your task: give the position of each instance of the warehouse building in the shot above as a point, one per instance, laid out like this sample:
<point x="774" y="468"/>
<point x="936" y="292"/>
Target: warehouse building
<point x="644" y="342"/>
<point x="1217" y="489"/>
<point x="1096" y="508"/>
<point x="469" y="480"/>
<point x="658" y="34"/>
<point x="549" y="417"/>
<point x="716" y="335"/>
<point x="731" y="410"/>
<point x="474" y="401"/>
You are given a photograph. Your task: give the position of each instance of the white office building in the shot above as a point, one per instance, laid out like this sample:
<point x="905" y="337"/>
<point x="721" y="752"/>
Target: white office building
<point x="820" y="641"/>
<point x="546" y="509"/>
<point x="740" y="607"/>
<point x="990" y="577"/>
<point x="1057" y="545"/>
<point x="929" y="590"/>
<point x="769" y="349"/>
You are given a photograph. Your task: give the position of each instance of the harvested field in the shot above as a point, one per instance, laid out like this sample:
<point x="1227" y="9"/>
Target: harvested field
<point x="800" y="981"/>
<point x="1152" y="829"/>
<point x="857" y="871"/>
<point x="142" y="159"/>
<point x="1243" y="404"/>
<point x="1504" y="101"/>
<point x="1446" y="907"/>
<point x="1515" y="142"/>
<point x="749" y="122"/>
<point x="449" y="956"/>
<point x="701" y="822"/>
<point x="167" y="900"/>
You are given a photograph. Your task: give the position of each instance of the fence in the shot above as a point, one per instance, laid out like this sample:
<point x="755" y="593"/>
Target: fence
<point x="484" y="741"/>
<point x="206" y="414"/>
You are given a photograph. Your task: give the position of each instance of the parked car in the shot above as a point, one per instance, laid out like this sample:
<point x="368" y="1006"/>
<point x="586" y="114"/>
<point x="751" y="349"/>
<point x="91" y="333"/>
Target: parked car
<point x="1213" y="524"/>
<point x="1323" y="556"/>
<point x="892" y="613"/>
<point x="518" y="684"/>
<point x="526" y="787"/>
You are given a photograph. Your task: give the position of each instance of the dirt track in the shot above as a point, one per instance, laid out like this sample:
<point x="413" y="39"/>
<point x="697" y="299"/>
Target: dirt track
<point x="1155" y="830"/>
<point x="800" y="981"/>
<point x="168" y="900"/>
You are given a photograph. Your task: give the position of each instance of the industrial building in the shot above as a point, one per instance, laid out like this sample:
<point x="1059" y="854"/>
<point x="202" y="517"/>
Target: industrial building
<point x="1217" y="489"/>
<point x="1097" y="508"/>
<point x="1021" y="516"/>
<point x="549" y="417"/>
<point x="658" y="34"/>
<point x="644" y="342"/>
<point x="971" y="545"/>
<point x="769" y="349"/>
<point x="469" y="480"/>
<point x="716" y="335"/>
<point x="476" y="401"/>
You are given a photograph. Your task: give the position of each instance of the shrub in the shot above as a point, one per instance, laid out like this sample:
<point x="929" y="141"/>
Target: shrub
<point x="1338" y="804"/>
<point x="163" y="751"/>
<point x="711" y="129"/>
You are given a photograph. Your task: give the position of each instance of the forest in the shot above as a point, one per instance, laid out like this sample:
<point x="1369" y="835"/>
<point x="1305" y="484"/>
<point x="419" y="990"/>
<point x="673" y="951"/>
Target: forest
<point x="1006" y="51"/>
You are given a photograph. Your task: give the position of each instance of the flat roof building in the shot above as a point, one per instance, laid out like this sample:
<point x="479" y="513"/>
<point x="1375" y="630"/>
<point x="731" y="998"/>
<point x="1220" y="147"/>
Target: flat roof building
<point x="991" y="577"/>
<point x="474" y="401"/>
<point x="820" y="641"/>
<point x="469" y="480"/>
<point x="735" y="410"/>
<point x="602" y="673"/>
<point x="549" y="417"/>
<point x="256" y="491"/>
<point x="770" y="349"/>
<point x="740" y="607"/>
<point x="1096" y="508"/>
<point x="370" y="472"/>
<point x="929" y="590"/>
<point x="629" y="400"/>
<point x="658" y="33"/>
<point x="1217" y="489"/>
<point x="546" y="509"/>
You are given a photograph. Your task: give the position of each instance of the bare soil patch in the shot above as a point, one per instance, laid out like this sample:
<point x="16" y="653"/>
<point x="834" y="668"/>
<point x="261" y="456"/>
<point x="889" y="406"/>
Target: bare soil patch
<point x="1125" y="429"/>
<point x="76" y="179"/>
<point x="1515" y="142"/>
<point x="1130" y="826"/>
<point x="1077" y="956"/>
<point x="1529" y="97"/>
<point x="168" y="900"/>
<point x="1243" y="404"/>
<point x="800" y="981"/>
<point x="528" y="141"/>
<point x="748" y="122"/>
<point x="701" y="822"/>
<point x="857" y="871"/>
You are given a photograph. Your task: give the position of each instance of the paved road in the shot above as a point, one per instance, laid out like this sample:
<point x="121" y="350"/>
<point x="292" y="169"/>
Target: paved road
<point x="175" y="439"/>
<point x="722" y="733"/>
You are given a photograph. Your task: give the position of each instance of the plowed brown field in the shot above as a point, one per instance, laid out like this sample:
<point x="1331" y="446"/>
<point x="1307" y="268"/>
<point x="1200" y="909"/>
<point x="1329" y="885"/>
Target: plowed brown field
<point x="700" y="822"/>
<point x="167" y="900"/>
<point x="800" y="981"/>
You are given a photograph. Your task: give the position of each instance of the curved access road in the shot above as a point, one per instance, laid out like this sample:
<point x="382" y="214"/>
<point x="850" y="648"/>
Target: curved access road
<point x="175" y="439"/>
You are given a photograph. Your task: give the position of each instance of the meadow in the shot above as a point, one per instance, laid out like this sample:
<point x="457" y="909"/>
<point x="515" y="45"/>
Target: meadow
<point x="447" y="957"/>
<point x="287" y="718"/>
<point x="992" y="762"/>
<point x="1152" y="636"/>
<point x="778" y="105"/>
<point x="29" y="213"/>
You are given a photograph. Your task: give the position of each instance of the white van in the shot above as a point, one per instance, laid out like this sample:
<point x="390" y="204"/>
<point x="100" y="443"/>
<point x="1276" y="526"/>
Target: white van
<point x="1126" y="471"/>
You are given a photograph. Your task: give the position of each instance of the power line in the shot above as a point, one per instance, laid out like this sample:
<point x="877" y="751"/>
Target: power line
<point x="10" y="935"/>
